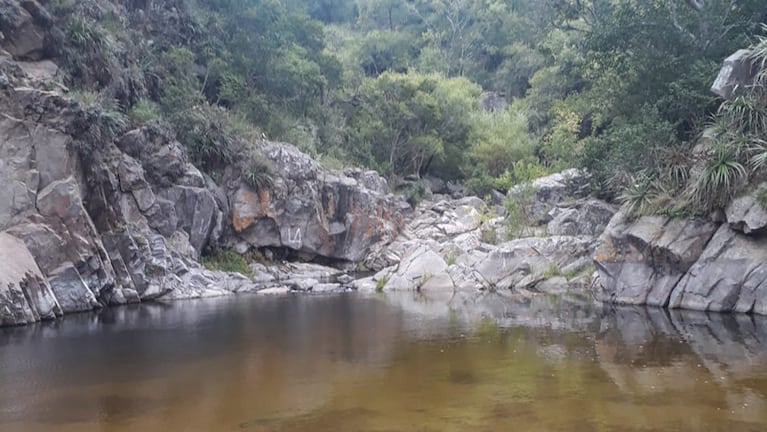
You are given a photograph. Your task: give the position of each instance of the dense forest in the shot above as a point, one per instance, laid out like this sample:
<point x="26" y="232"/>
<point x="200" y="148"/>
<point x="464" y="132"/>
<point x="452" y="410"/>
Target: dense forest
<point x="489" y="92"/>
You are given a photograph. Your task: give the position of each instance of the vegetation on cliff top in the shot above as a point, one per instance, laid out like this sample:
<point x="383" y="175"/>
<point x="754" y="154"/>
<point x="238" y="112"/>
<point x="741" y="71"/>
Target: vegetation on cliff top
<point x="617" y="87"/>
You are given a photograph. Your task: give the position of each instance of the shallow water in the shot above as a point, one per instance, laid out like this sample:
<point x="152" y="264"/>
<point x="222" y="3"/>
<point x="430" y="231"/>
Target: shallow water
<point x="404" y="363"/>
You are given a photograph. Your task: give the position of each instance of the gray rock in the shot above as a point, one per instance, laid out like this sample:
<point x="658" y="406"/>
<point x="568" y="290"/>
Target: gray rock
<point x="640" y="262"/>
<point x="23" y="39"/>
<point x="197" y="212"/>
<point x="746" y="214"/>
<point x="544" y="193"/>
<point x="25" y="295"/>
<point x="589" y="217"/>
<point x="731" y="275"/>
<point x="304" y="284"/>
<point x="436" y="185"/>
<point x="162" y="216"/>
<point x="737" y="71"/>
<point x="523" y="263"/>
<point x="421" y="270"/>
<point x="311" y="211"/>
<point x="71" y="291"/>
<point x="327" y="288"/>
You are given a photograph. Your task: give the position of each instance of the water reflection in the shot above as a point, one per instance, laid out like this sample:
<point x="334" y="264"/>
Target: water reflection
<point x="386" y="363"/>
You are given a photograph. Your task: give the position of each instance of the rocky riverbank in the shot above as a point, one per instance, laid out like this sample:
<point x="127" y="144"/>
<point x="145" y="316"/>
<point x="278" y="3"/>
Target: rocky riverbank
<point x="89" y="220"/>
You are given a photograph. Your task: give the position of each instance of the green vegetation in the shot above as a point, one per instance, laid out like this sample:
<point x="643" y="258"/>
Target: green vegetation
<point x="518" y="219"/>
<point x="381" y="283"/>
<point x="620" y="88"/>
<point x="225" y="260"/>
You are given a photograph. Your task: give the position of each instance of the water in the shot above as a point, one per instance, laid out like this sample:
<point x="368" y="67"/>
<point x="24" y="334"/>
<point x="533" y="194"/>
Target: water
<point x="404" y="363"/>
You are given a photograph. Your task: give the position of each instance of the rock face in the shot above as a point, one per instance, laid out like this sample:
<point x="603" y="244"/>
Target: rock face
<point x="642" y="261"/>
<point x="730" y="275"/>
<point x="690" y="264"/>
<point x="99" y="221"/>
<point x="25" y="295"/>
<point x="312" y="211"/>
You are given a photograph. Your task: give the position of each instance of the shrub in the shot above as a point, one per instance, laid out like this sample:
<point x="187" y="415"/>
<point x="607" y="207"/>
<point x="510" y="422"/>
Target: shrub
<point x="225" y="260"/>
<point x="258" y="173"/>
<point x="143" y="111"/>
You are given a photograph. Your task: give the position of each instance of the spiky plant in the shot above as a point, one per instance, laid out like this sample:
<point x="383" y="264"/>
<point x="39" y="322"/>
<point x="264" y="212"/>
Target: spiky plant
<point x="720" y="178"/>
<point x="258" y="174"/>
<point x="639" y="195"/>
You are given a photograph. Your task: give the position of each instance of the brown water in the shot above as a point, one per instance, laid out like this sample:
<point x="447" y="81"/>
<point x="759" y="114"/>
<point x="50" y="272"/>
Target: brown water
<point x="351" y="363"/>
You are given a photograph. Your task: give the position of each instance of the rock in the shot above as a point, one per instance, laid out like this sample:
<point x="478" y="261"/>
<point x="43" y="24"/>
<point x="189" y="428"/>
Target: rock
<point x="311" y="211"/>
<point x="543" y="194"/>
<point x="640" y="262"/>
<point x="367" y="284"/>
<point x="523" y="263"/>
<point x="197" y="212"/>
<point x="436" y="185"/>
<point x="25" y="295"/>
<point x="327" y="288"/>
<point x="746" y="213"/>
<point x="421" y="270"/>
<point x="369" y="179"/>
<point x="23" y="39"/>
<point x="736" y="73"/>
<point x="730" y="275"/>
<point x="162" y="216"/>
<point x="71" y="292"/>
<point x="304" y="284"/>
<point x="589" y="217"/>
<point x="345" y="279"/>
<point x="275" y="291"/>
<point x="555" y="285"/>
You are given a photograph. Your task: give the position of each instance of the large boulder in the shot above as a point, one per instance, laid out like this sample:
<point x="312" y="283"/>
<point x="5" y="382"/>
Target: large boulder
<point x="731" y="275"/>
<point x="586" y="217"/>
<point x="524" y="263"/>
<point x="25" y="295"/>
<point x="737" y="71"/>
<point x="545" y="193"/>
<point x="421" y="269"/>
<point x="312" y="211"/>
<point x="746" y="213"/>
<point x="23" y="39"/>
<point x="641" y="261"/>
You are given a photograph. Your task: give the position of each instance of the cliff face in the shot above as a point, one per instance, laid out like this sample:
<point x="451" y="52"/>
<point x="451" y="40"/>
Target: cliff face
<point x="690" y="264"/>
<point x="91" y="215"/>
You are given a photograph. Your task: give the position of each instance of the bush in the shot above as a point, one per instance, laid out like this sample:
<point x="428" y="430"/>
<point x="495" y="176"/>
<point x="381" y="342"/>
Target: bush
<point x="225" y="260"/>
<point x="258" y="173"/>
<point x="144" y="111"/>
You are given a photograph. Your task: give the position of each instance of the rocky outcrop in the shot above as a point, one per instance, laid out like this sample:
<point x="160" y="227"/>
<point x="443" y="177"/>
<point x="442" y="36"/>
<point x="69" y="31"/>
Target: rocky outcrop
<point x="108" y="220"/>
<point x="313" y="211"/>
<point x="25" y="295"/>
<point x="683" y="263"/>
<point x="457" y="246"/>
<point x="642" y="261"/>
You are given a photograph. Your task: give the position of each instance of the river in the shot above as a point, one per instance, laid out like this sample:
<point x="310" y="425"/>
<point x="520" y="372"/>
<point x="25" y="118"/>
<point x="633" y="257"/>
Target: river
<point x="385" y="364"/>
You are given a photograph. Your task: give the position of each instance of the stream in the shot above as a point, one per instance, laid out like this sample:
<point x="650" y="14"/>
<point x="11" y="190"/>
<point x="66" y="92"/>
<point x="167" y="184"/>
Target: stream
<point x="385" y="363"/>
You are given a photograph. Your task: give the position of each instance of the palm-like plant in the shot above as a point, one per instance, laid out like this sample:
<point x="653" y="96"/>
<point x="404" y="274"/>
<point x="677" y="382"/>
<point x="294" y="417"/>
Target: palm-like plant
<point x="639" y="195"/>
<point x="722" y="174"/>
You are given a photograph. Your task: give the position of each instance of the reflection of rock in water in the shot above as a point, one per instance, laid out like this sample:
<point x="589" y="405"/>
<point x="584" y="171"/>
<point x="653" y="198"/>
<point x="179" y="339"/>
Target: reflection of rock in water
<point x="659" y="352"/>
<point x="465" y="310"/>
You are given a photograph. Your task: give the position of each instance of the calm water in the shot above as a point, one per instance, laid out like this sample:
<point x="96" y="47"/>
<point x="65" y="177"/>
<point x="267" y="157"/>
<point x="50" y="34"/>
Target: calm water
<point x="349" y="363"/>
